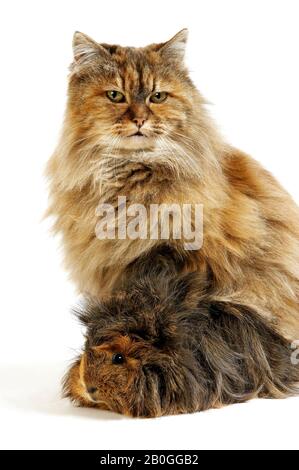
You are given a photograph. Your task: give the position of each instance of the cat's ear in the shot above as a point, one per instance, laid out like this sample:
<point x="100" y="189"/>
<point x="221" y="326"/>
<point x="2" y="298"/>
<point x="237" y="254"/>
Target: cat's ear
<point x="86" y="50"/>
<point x="174" y="49"/>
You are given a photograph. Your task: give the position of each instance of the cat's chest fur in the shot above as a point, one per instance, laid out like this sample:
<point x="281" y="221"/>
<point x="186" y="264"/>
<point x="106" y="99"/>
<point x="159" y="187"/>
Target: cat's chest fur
<point x="141" y="182"/>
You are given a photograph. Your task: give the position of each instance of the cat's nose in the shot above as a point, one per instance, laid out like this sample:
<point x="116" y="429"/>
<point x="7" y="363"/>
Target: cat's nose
<point x="139" y="121"/>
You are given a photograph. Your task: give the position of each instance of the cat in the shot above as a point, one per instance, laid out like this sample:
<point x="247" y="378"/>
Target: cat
<point x="136" y="126"/>
<point x="163" y="346"/>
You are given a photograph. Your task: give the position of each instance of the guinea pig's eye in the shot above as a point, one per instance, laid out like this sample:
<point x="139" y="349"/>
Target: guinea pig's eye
<point x="158" y="97"/>
<point x="118" y="358"/>
<point x="115" y="96"/>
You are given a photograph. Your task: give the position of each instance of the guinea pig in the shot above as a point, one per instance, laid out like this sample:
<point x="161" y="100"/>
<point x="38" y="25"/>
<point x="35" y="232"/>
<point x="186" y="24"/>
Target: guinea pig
<point x="164" y="346"/>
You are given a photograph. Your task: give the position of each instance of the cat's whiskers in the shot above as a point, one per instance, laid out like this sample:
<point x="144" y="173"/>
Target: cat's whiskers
<point x="170" y="162"/>
<point x="107" y="161"/>
<point x="172" y="131"/>
<point x="177" y="152"/>
<point x="200" y="147"/>
<point x="186" y="141"/>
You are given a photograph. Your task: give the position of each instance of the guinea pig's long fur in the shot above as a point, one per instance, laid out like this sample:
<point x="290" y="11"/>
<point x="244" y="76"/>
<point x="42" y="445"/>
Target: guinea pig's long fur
<point x="178" y="349"/>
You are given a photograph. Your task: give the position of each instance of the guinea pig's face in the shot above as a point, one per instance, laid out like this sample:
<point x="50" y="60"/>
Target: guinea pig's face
<point x="121" y="375"/>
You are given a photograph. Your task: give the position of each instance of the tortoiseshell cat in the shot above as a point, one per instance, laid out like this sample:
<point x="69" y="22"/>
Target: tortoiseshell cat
<point x="136" y="126"/>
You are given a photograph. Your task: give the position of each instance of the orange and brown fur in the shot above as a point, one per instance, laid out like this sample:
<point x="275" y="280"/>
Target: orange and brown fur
<point x="163" y="346"/>
<point x="251" y="225"/>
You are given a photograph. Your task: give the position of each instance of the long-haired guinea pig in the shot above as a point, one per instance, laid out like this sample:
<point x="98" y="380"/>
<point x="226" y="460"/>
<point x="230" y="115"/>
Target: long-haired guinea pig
<point x="163" y="347"/>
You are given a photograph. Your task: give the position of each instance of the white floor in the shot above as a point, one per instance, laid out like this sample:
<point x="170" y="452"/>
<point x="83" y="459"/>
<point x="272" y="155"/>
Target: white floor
<point x="33" y="416"/>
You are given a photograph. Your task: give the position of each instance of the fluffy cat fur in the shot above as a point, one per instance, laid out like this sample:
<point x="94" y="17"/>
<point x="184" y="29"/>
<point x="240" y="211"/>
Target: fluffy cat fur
<point x="250" y="246"/>
<point x="182" y="351"/>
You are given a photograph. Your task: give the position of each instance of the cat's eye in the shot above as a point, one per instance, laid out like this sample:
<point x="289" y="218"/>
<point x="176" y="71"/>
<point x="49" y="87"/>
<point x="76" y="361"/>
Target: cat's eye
<point x="158" y="97"/>
<point x="118" y="358"/>
<point x="115" y="96"/>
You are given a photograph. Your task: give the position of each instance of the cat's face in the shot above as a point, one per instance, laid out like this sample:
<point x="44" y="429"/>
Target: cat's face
<point x="129" y="98"/>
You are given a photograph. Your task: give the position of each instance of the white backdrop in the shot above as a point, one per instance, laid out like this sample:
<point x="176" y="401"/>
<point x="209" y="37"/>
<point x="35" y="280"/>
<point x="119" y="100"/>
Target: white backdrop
<point x="243" y="55"/>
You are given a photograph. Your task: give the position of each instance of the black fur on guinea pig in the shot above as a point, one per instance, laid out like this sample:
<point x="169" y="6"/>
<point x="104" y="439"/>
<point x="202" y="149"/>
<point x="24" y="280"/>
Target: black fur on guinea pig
<point x="164" y="346"/>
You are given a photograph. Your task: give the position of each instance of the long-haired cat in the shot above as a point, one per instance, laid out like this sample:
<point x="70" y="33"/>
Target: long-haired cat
<point x="136" y="126"/>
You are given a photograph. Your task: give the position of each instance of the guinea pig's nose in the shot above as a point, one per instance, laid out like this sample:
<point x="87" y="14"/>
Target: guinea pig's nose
<point x="91" y="390"/>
